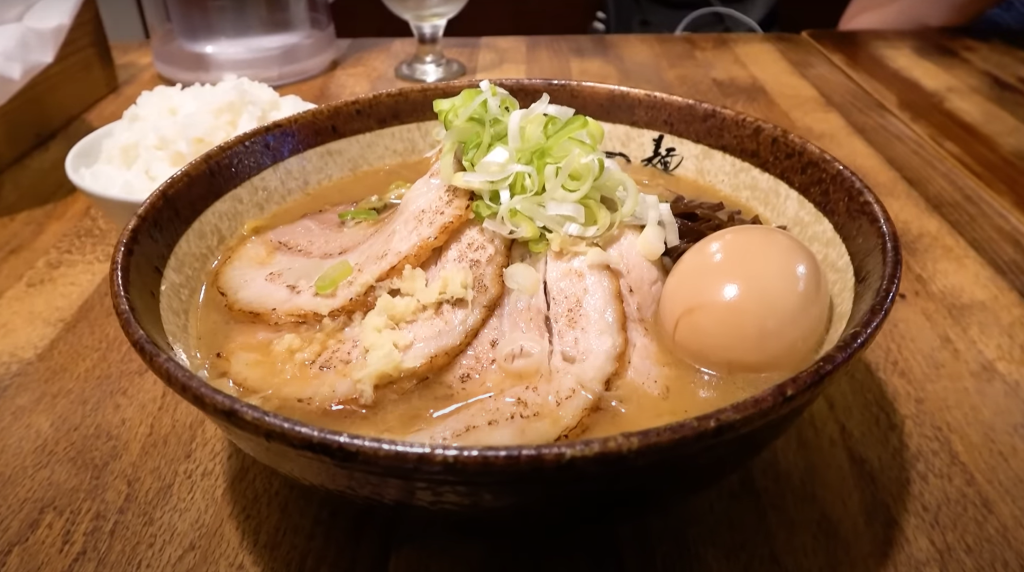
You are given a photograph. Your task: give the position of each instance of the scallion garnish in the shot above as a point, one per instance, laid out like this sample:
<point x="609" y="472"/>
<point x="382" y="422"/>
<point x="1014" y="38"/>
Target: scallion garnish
<point x="334" y="275"/>
<point x="538" y="174"/>
<point x="358" y="214"/>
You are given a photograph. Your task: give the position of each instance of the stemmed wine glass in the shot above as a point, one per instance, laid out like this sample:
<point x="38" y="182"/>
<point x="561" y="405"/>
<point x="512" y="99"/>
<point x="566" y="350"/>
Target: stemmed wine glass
<point x="427" y="18"/>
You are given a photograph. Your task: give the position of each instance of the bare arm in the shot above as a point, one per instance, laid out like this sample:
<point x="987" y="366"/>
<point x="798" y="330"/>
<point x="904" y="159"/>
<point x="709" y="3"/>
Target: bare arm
<point x="911" y="14"/>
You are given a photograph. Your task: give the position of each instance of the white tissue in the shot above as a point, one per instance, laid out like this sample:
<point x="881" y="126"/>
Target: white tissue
<point x="31" y="33"/>
<point x="13" y="10"/>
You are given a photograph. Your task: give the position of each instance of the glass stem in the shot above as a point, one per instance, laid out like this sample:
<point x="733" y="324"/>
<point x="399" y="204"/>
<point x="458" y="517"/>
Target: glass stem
<point x="428" y="42"/>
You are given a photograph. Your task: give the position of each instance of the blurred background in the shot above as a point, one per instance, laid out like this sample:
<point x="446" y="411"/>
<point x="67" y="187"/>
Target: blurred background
<point x="369" y="18"/>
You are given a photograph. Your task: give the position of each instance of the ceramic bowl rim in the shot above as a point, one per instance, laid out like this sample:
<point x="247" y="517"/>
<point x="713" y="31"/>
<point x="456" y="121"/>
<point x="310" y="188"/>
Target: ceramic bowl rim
<point x="738" y="417"/>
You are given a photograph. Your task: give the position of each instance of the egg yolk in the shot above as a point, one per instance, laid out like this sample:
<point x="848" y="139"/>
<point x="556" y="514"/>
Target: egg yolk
<point x="747" y="299"/>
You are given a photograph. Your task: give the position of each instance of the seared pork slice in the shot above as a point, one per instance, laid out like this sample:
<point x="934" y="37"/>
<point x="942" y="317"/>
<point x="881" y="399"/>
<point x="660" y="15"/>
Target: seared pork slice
<point x="645" y="362"/>
<point x="587" y="334"/>
<point x="513" y="343"/>
<point x="274" y="279"/>
<point x="269" y="364"/>
<point x="586" y="340"/>
<point x="322" y="235"/>
<point x="436" y="336"/>
<point x="511" y="350"/>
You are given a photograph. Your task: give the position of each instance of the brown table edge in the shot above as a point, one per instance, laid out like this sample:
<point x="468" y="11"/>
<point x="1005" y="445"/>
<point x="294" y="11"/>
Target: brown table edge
<point x="997" y="202"/>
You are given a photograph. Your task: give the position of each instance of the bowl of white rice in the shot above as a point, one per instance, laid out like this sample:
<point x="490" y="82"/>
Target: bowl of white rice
<point x="119" y="165"/>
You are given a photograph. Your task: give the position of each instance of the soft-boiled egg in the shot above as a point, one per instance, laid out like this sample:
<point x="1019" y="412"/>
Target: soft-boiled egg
<point x="747" y="299"/>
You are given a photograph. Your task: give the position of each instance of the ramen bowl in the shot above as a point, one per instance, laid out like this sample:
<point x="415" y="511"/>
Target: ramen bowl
<point x="163" y="254"/>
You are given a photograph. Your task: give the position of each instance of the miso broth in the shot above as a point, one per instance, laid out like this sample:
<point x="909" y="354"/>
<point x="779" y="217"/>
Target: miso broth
<point x="405" y="405"/>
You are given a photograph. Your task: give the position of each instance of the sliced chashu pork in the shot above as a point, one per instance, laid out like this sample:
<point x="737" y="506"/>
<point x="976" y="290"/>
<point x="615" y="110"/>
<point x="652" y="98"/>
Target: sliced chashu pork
<point x="516" y="334"/>
<point x="586" y="340"/>
<point x="273" y="278"/>
<point x="322" y="235"/>
<point x="319" y="365"/>
<point x="645" y="362"/>
<point x="440" y="335"/>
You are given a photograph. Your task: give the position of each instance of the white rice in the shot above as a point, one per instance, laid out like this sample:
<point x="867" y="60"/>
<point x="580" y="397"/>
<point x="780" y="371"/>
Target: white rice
<point x="169" y="126"/>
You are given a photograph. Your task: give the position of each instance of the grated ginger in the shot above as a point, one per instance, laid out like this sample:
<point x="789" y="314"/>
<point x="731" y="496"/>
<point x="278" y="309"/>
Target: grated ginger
<point x="380" y="334"/>
<point x="450" y="285"/>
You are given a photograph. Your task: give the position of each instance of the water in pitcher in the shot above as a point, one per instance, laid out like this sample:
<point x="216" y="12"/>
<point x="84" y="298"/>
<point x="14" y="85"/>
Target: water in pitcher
<point x="276" y="41"/>
<point x="426" y="11"/>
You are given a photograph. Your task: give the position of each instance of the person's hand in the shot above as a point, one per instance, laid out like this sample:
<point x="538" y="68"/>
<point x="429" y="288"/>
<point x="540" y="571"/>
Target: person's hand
<point x="911" y="14"/>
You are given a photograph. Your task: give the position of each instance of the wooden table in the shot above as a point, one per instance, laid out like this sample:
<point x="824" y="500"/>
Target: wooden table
<point x="913" y="461"/>
<point x="967" y="98"/>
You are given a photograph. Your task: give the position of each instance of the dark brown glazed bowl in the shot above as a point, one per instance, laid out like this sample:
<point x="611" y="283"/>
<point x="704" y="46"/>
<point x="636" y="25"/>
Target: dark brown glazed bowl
<point x="691" y="451"/>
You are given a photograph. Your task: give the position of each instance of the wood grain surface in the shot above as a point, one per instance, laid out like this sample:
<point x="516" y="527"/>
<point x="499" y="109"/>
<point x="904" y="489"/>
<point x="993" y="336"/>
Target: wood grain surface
<point x="912" y="461"/>
<point x="966" y="97"/>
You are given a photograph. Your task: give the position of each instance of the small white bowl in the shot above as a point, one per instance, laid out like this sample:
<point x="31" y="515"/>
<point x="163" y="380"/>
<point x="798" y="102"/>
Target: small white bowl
<point x="119" y="209"/>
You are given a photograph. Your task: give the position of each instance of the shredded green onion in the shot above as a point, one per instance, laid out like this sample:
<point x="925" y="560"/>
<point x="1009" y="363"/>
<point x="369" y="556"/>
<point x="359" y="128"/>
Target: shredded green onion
<point x="482" y="210"/>
<point x="538" y="246"/>
<point x="537" y="173"/>
<point x="334" y="275"/>
<point x="358" y="214"/>
<point x="395" y="194"/>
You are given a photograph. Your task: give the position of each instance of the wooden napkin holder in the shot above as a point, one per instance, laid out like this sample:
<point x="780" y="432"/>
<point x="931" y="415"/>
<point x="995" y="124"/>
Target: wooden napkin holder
<point x="80" y="75"/>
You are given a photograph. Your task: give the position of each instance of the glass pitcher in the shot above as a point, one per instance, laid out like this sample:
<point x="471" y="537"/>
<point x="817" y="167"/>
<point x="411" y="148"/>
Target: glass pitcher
<point x="273" y="41"/>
